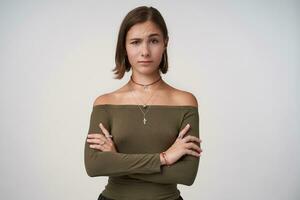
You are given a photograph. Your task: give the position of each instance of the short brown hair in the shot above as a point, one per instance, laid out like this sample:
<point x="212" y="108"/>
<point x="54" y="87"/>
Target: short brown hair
<point x="138" y="15"/>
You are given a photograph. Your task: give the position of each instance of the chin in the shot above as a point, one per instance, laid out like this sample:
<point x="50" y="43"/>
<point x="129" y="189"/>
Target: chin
<point x="147" y="70"/>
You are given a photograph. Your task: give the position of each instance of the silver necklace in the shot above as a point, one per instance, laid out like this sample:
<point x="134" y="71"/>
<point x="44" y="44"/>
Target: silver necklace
<point x="145" y="105"/>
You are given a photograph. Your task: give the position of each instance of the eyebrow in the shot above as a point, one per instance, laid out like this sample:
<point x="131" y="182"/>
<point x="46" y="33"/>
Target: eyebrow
<point x="151" y="35"/>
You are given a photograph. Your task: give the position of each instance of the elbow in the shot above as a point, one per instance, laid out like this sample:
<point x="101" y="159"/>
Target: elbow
<point x="90" y="172"/>
<point x="91" y="167"/>
<point x="95" y="170"/>
<point x="91" y="162"/>
<point x="191" y="175"/>
<point x="94" y="167"/>
<point x="188" y="179"/>
<point x="189" y="182"/>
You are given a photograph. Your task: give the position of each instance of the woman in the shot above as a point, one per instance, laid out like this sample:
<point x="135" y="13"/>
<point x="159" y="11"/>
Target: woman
<point x="145" y="135"/>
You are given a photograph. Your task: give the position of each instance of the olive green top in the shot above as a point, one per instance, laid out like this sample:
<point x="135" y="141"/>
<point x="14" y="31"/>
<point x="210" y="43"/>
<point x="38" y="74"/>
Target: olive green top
<point x="135" y="172"/>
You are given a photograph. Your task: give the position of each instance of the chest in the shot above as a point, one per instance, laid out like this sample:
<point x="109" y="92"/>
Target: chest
<point x="131" y="135"/>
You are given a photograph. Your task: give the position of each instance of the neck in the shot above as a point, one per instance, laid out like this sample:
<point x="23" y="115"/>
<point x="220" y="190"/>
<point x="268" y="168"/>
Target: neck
<point x="144" y="80"/>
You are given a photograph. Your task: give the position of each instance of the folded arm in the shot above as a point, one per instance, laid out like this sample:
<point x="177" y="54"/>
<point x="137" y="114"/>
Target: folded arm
<point x="98" y="163"/>
<point x="184" y="171"/>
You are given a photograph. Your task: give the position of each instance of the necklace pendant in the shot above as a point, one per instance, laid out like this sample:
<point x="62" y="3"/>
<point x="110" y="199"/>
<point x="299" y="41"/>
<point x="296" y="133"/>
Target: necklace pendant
<point x="145" y="87"/>
<point x="145" y="120"/>
<point x="144" y="106"/>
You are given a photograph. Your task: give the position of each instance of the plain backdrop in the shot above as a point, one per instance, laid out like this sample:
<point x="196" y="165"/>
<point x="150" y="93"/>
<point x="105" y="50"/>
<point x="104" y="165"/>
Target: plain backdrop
<point x="239" y="58"/>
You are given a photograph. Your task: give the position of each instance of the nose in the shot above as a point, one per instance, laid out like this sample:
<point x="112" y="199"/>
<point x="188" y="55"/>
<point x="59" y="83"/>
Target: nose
<point x="145" y="50"/>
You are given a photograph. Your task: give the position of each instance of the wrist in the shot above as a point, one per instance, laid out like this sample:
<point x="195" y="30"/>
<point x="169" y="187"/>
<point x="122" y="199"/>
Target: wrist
<point x="163" y="159"/>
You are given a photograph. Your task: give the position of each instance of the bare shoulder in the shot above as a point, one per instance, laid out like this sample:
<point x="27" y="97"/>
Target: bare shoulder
<point x="103" y="99"/>
<point x="184" y="98"/>
<point x="115" y="97"/>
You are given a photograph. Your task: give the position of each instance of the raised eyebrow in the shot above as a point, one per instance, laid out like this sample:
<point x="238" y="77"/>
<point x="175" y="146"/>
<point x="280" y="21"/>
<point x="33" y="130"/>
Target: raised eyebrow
<point x="149" y="36"/>
<point x="153" y="35"/>
<point x="135" y="39"/>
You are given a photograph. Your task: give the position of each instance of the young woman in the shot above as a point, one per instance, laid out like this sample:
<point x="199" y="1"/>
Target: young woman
<point x="144" y="135"/>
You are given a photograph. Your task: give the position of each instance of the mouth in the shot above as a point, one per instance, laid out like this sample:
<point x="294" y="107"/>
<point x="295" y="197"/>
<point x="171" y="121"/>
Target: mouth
<point x="145" y="61"/>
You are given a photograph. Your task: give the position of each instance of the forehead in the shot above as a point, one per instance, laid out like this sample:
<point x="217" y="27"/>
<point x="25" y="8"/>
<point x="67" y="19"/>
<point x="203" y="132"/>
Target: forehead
<point x="144" y="29"/>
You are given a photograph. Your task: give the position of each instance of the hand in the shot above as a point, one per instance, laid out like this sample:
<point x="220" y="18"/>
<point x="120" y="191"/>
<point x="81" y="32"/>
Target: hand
<point x="182" y="146"/>
<point x="101" y="142"/>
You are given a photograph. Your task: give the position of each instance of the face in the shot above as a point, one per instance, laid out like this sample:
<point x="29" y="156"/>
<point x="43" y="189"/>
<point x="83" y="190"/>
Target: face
<point x="144" y="47"/>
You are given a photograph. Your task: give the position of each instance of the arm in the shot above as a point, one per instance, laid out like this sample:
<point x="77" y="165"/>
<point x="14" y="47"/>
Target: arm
<point x="98" y="163"/>
<point x="184" y="171"/>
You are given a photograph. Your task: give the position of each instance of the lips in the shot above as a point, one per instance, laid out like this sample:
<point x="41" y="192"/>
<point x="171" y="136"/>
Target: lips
<point x="145" y="61"/>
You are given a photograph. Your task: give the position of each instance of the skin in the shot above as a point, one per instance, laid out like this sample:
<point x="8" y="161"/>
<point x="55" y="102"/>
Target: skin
<point x="145" y="42"/>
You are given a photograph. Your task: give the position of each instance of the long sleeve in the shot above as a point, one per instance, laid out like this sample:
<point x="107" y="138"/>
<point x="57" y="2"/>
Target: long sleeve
<point x="98" y="163"/>
<point x="184" y="171"/>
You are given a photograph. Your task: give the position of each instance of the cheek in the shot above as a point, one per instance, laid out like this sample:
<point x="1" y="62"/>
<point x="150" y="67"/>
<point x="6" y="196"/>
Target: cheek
<point x="130" y="56"/>
<point x="158" y="53"/>
<point x="131" y="53"/>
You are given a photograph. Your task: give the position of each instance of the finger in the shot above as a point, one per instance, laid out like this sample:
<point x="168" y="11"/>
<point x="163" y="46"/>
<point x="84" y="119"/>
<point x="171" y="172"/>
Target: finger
<point x="94" y="135"/>
<point x="105" y="131"/>
<point x="102" y="147"/>
<point x="97" y="147"/>
<point x="99" y="136"/>
<point x="193" y="153"/>
<point x="102" y="137"/>
<point x="95" y="141"/>
<point x="183" y="131"/>
<point x="194" y="147"/>
<point x="191" y="138"/>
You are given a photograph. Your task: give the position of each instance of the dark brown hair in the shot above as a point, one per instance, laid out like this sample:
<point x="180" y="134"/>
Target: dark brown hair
<point x="138" y="15"/>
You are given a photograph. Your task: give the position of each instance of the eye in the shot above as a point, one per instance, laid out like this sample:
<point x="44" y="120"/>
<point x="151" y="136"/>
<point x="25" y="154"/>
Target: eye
<point x="134" y="42"/>
<point x="154" y="41"/>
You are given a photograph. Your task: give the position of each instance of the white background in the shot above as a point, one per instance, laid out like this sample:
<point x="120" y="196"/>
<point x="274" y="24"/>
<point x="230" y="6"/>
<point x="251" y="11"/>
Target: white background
<point x="239" y="58"/>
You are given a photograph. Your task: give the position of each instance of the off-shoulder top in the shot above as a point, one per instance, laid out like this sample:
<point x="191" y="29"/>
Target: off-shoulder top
<point x="135" y="171"/>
